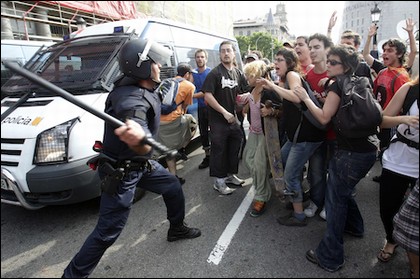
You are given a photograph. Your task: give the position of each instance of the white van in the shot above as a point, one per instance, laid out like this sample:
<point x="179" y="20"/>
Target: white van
<point x="46" y="140"/>
<point x="19" y="52"/>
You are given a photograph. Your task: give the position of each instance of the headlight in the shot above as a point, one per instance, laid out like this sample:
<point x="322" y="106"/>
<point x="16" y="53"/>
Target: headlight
<point x="52" y="145"/>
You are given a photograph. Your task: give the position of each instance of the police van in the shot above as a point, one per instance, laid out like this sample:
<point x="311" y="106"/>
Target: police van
<point x="18" y="52"/>
<point x="46" y="140"/>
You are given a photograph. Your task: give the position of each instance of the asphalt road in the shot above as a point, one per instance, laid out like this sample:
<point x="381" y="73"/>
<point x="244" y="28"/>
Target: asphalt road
<point x="39" y="244"/>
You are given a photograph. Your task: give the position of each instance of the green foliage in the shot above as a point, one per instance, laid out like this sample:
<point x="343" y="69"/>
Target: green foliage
<point x="261" y="41"/>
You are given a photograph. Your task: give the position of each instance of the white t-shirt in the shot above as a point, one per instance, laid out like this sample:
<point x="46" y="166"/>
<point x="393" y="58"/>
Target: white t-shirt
<point x="399" y="157"/>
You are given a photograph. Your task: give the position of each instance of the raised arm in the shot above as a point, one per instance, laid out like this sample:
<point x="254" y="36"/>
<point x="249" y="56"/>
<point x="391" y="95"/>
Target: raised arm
<point x="366" y="50"/>
<point x="331" y="23"/>
<point x="410" y="24"/>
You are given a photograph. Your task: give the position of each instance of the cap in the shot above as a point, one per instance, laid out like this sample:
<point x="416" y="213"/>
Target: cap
<point x="252" y="56"/>
<point x="184" y="68"/>
<point x="288" y="44"/>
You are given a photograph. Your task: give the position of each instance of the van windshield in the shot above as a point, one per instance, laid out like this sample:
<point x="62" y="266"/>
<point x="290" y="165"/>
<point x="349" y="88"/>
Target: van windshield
<point x="80" y="66"/>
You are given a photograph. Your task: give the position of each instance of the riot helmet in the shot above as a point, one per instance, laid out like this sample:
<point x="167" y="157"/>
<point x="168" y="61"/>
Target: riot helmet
<point x="137" y="55"/>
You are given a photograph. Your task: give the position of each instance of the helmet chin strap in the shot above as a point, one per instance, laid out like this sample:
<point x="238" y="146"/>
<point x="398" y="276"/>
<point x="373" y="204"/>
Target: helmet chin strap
<point x="156" y="83"/>
<point x="143" y="56"/>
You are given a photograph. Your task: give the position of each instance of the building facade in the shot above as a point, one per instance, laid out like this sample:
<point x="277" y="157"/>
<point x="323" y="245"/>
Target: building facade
<point x="272" y="23"/>
<point x="357" y="17"/>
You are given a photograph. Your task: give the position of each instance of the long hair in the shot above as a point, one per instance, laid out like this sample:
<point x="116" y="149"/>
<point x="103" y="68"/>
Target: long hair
<point x="292" y="61"/>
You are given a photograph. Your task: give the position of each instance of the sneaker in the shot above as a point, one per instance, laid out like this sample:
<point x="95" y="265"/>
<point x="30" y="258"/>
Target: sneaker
<point x="310" y="211"/>
<point x="205" y="163"/>
<point x="223" y="189"/>
<point x="292" y="221"/>
<point x="233" y="179"/>
<point x="181" y="180"/>
<point x="311" y="256"/>
<point x="323" y="214"/>
<point x="257" y="209"/>
<point x="182" y="232"/>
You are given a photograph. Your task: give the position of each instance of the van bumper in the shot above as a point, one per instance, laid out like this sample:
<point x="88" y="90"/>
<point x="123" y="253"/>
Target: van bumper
<point x="53" y="185"/>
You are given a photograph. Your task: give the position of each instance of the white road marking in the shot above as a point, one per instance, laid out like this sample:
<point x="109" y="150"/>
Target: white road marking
<point x="227" y="235"/>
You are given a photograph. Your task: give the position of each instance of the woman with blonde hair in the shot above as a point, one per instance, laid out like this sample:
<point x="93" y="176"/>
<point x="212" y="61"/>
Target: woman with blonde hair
<point x="255" y="152"/>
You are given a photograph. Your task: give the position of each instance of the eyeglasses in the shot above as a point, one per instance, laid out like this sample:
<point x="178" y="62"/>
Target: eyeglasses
<point x="334" y="62"/>
<point x="280" y="60"/>
<point x="227" y="50"/>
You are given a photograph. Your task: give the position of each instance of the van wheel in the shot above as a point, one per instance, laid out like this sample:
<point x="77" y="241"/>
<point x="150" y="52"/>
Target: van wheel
<point x="138" y="194"/>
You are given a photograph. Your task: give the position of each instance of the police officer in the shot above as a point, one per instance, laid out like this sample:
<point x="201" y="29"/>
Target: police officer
<point x="127" y="166"/>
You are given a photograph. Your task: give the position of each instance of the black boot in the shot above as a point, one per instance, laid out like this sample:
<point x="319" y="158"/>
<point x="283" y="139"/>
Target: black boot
<point x="183" y="154"/>
<point x="205" y="163"/>
<point x="177" y="232"/>
<point x="181" y="180"/>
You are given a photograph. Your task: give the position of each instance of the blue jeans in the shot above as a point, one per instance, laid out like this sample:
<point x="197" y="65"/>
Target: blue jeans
<point x="294" y="157"/>
<point x="346" y="169"/>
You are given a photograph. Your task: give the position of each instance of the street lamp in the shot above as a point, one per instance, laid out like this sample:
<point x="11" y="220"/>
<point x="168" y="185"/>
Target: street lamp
<point x="375" y="13"/>
<point x="272" y="49"/>
<point x="256" y="42"/>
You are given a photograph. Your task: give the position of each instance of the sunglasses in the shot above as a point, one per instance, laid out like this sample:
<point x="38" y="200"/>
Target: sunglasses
<point x="279" y="60"/>
<point x="334" y="62"/>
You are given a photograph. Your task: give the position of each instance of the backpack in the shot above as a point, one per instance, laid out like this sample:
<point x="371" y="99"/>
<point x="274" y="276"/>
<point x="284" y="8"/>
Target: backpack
<point x="306" y="112"/>
<point x="409" y="100"/>
<point x="359" y="114"/>
<point x="411" y="97"/>
<point x="168" y="89"/>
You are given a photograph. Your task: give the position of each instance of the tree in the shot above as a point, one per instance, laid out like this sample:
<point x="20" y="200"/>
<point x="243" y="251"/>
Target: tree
<point x="262" y="41"/>
<point x="244" y="43"/>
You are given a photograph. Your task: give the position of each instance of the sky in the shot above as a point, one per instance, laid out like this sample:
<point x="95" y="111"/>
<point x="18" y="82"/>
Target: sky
<point x="304" y="17"/>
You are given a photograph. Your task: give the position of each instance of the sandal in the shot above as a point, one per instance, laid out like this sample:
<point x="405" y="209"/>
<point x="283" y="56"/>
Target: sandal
<point x="384" y="256"/>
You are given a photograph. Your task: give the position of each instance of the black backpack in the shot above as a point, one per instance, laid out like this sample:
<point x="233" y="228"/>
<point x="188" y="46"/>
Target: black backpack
<point x="359" y="114"/>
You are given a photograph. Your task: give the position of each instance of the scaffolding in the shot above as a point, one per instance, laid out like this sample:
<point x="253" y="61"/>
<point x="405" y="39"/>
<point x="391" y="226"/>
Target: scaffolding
<point x="47" y="20"/>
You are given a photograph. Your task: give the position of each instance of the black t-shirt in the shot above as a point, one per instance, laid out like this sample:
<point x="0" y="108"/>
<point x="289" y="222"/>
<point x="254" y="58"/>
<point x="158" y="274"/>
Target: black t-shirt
<point x="360" y="145"/>
<point x="225" y="85"/>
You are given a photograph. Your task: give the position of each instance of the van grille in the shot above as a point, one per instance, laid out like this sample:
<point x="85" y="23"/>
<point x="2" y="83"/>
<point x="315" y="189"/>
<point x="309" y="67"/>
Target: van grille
<point x="11" y="152"/>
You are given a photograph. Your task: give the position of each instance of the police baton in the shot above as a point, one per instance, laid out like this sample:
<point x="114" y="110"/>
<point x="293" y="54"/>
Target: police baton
<point x="66" y="95"/>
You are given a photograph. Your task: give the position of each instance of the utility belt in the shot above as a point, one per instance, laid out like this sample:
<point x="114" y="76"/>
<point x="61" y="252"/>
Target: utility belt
<point x="115" y="171"/>
<point x="405" y="140"/>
